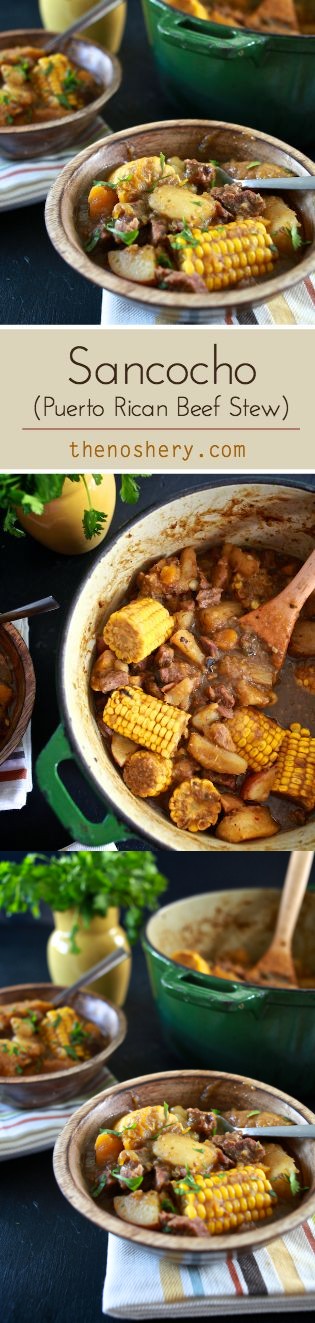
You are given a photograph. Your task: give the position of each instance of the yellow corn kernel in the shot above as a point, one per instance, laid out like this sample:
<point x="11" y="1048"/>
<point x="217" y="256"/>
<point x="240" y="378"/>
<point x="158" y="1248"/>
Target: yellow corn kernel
<point x="225" y="1200"/>
<point x="145" y="720"/>
<point x="147" y="774"/>
<point x="136" y="630"/>
<point x="304" y="676"/>
<point x="256" y="737"/>
<point x="295" y="768"/>
<point x="227" y="254"/>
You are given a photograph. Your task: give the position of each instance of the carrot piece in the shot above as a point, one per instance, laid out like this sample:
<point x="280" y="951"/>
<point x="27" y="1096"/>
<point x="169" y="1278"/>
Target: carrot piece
<point x="101" y="201"/>
<point x="107" y="1148"/>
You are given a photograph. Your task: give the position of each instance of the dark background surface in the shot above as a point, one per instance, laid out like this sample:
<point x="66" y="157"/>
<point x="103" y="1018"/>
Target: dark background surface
<point x="35" y="283"/>
<point x="29" y="571"/>
<point x="53" y="1260"/>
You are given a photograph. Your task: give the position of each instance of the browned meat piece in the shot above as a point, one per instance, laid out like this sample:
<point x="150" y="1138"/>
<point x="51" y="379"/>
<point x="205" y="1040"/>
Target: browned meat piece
<point x="200" y="173"/>
<point x="209" y="596"/>
<point x="181" y="1225"/>
<point x="184" y="767"/>
<point x="221" y="736"/>
<point x="171" y="674"/>
<point x="179" y="281"/>
<point x="209" y="647"/>
<point x="129" y="1170"/>
<point x="239" y="1149"/>
<point x="113" y="680"/>
<point x="164" y="655"/>
<point x="163" y="1176"/>
<point x="239" y="201"/>
<point x="159" y="230"/>
<point x="204" y="1122"/>
<point x="125" y="224"/>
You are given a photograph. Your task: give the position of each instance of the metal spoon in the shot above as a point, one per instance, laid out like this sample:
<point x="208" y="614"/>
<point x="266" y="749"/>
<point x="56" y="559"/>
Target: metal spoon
<point x="89" y="976"/>
<point x="302" y="183"/>
<point x="33" y="609"/>
<point x="304" y="1131"/>
<point x="57" y="43"/>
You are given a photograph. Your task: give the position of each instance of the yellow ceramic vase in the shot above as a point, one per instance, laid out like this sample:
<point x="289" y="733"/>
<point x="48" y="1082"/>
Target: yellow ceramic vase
<point x="102" y="936"/>
<point x="60" y="527"/>
<point x="57" y="15"/>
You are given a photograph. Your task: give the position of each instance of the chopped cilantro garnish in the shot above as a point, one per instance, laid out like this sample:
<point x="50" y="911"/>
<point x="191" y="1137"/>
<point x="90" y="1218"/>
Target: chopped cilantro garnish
<point x="166" y="1110"/>
<point x="255" y="1113"/>
<point x="162" y="161"/>
<point x="186" y="234"/>
<point x="125" y="236"/>
<point x="132" y="1182"/>
<point x="78" y="1034"/>
<point x="296" y="237"/>
<point x="71" y="1052"/>
<point x="107" y="1131"/>
<point x="294" y="1184"/>
<point x="188" y="1179"/>
<point x="64" y="101"/>
<point x="49" y="68"/>
<point x="253" y="165"/>
<point x="167" y="1205"/>
<point x="164" y="260"/>
<point x="93" y="240"/>
<point x="100" y="1185"/>
<point x="71" y="80"/>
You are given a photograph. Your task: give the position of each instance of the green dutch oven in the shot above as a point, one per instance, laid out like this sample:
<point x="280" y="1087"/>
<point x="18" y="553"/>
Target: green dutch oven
<point x="225" y="73"/>
<point x="226" y="1025"/>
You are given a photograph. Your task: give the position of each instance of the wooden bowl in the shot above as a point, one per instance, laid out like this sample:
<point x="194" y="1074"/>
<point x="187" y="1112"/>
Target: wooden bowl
<point x="176" y="138"/>
<point x="184" y="1087"/>
<point x="21" y="671"/>
<point x="41" y="1090"/>
<point x="24" y="141"/>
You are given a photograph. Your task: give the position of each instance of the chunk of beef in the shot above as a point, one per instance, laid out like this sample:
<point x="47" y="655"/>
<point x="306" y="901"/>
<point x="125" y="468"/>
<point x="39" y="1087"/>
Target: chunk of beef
<point x="239" y="1149"/>
<point x="113" y="680"/>
<point x="129" y="1170"/>
<point x="200" y="173"/>
<point x="159" y="230"/>
<point x="209" y="647"/>
<point x="179" y="281"/>
<point x="209" y="596"/>
<point x="181" y="1225"/>
<point x="239" y="201"/>
<point x="204" y="1122"/>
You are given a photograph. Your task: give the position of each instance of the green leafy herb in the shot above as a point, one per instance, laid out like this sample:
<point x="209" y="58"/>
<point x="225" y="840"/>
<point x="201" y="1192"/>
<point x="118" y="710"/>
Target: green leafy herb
<point x="71" y="80"/>
<point x="64" y="100"/>
<point x="33" y="492"/>
<point x="188" y="1179"/>
<point x="78" y="1034"/>
<point x="125" y="236"/>
<point x="252" y="165"/>
<point x="57" y="1021"/>
<point x="129" y="487"/>
<point x="296" y="237"/>
<point x="4" y="1047"/>
<point x="9" y="119"/>
<point x="18" y="1070"/>
<point x="186" y="234"/>
<point x="166" y="1110"/>
<point x="87" y="883"/>
<point x="23" y="67"/>
<point x="167" y="1205"/>
<point x="132" y="1182"/>
<point x="107" y="1131"/>
<point x="162" y="161"/>
<point x="71" y="1052"/>
<point x="49" y="68"/>
<point x="100" y="1185"/>
<point x="294" y="1184"/>
<point x="94" y="239"/>
<point x="255" y="1113"/>
<point x="164" y="260"/>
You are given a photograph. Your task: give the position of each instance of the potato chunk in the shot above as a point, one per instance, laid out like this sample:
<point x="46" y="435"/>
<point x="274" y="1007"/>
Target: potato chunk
<point x="280" y="1167"/>
<point x="180" y="203"/>
<point x="247" y="824"/>
<point x="143" y="1210"/>
<point x="214" y="757"/>
<point x="186" y="643"/>
<point x="303" y="639"/>
<point x="134" y="263"/>
<point x="185" y="1151"/>
<point x="258" y="785"/>
<point x="137" y="1127"/>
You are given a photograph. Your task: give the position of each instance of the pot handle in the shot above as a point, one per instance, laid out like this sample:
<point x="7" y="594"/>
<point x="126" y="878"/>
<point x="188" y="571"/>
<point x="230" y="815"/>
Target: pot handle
<point x="188" y="987"/>
<point x="57" y="751"/>
<point x="190" y="33"/>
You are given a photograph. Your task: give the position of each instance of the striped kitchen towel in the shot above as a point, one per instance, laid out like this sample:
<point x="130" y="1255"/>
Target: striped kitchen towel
<point x="295" y="308"/>
<point x="23" y="1132"/>
<point x="16" y="780"/>
<point x="24" y="182"/>
<point x="139" y="1285"/>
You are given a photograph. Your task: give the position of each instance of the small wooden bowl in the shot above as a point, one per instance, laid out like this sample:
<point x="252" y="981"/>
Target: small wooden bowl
<point x="20" y="667"/>
<point x="176" y="138"/>
<point x="41" y="1090"/>
<point x="25" y="141"/>
<point x="180" y="1087"/>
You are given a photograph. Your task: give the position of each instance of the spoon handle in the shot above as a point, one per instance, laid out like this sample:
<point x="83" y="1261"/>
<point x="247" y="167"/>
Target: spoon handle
<point x="89" y="976"/>
<point x="91" y="16"/>
<point x="302" y="184"/>
<point x="33" y="609"/>
<point x="281" y="1132"/>
<point x="297" y="875"/>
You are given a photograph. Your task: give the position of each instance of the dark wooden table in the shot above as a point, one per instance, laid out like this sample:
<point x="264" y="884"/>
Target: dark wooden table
<point x="36" y="286"/>
<point x="52" y="1260"/>
<point x="32" y="572"/>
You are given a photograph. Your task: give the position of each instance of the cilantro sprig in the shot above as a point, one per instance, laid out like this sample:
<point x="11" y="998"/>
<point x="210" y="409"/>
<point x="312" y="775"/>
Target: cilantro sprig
<point x="31" y="493"/>
<point x="87" y="883"/>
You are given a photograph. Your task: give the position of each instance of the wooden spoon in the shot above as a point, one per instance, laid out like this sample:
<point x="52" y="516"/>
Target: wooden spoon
<point x="274" y="621"/>
<point x="276" y="967"/>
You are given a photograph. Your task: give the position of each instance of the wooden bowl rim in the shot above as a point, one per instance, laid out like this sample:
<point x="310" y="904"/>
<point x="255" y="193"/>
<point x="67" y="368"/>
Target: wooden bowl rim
<point x="254" y="294"/>
<point x="30" y="691"/>
<point x="82" y="1200"/>
<point x="88" y="1065"/>
<point x="93" y="106"/>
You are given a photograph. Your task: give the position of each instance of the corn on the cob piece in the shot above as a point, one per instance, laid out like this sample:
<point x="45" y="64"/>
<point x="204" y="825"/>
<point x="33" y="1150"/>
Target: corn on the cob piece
<point x="147" y="774"/>
<point x="137" y="629"/>
<point x="58" y="1032"/>
<point x="195" y="804"/>
<point x="304" y="676"/>
<point x="295" y="768"/>
<point x="256" y="737"/>
<point x="225" y="1200"/>
<point x="146" y="720"/>
<point x="227" y="254"/>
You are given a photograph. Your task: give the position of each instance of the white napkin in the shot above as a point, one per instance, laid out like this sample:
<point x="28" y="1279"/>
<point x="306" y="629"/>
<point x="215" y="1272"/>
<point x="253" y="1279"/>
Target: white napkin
<point x="16" y="779"/>
<point x="295" y="308"/>
<point x="140" y="1285"/>
<point x="32" y="1131"/>
<point x="24" y="182"/>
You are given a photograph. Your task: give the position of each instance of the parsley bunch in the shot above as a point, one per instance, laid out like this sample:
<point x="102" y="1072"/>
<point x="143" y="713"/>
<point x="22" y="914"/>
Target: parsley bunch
<point x="87" y="882"/>
<point x="31" y="492"/>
